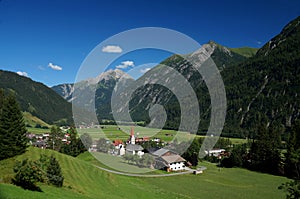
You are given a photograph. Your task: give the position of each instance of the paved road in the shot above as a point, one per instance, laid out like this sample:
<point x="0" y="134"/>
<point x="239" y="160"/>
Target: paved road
<point x="189" y="170"/>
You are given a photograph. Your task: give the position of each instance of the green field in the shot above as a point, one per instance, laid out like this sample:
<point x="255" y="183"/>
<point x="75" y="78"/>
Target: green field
<point x="113" y="132"/>
<point x="37" y="130"/>
<point x="83" y="180"/>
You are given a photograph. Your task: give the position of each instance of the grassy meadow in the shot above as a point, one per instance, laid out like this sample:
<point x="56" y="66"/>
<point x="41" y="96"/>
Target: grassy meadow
<point x="84" y="180"/>
<point x="114" y="132"/>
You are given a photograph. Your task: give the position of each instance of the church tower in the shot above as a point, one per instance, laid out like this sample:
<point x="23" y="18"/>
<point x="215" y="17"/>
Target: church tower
<point x="132" y="138"/>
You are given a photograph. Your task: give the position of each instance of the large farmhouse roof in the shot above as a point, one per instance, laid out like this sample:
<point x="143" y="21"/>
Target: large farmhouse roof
<point x="134" y="147"/>
<point x="173" y="158"/>
<point x="162" y="151"/>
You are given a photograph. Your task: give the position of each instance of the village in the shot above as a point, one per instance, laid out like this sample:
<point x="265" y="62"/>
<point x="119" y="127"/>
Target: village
<point x="143" y="151"/>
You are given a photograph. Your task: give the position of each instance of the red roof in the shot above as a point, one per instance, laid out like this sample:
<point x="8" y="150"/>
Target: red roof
<point x="117" y="142"/>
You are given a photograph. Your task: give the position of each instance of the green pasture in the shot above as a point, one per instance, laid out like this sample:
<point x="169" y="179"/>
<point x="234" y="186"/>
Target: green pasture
<point x="84" y="180"/>
<point x="113" y="132"/>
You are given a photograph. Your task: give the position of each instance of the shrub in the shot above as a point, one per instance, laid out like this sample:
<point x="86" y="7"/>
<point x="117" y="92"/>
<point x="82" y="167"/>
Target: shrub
<point x="27" y="175"/>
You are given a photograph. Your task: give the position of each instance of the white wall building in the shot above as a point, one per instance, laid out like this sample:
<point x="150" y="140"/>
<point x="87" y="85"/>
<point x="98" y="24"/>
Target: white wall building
<point x="214" y="152"/>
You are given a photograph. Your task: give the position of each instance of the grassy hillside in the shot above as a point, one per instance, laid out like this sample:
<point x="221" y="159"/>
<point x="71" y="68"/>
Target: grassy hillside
<point x="245" y="51"/>
<point x="33" y="120"/>
<point x="83" y="180"/>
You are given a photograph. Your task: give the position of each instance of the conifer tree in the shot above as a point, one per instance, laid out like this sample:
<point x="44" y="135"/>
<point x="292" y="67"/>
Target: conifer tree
<point x="292" y="156"/>
<point x="265" y="151"/>
<point x="75" y="147"/>
<point x="55" y="138"/>
<point x="54" y="173"/>
<point x="13" y="139"/>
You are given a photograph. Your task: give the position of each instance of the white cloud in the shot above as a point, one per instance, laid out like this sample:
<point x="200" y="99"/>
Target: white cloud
<point x="112" y="49"/>
<point x="144" y="70"/>
<point x="54" y="67"/>
<point x="259" y="42"/>
<point x="125" y="64"/>
<point x="22" y="73"/>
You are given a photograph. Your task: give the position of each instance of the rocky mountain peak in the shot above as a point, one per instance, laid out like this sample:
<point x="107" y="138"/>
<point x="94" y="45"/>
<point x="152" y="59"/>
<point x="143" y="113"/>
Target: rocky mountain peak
<point x="109" y="75"/>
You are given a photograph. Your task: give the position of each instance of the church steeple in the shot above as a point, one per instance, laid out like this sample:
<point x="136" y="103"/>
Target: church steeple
<point x="132" y="138"/>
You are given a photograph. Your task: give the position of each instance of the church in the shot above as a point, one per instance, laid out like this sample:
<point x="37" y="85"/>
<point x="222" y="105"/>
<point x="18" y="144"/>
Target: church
<point x="132" y="147"/>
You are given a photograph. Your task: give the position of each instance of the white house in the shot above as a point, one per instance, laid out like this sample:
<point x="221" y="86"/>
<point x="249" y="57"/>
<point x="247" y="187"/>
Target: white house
<point x="122" y="150"/>
<point x="214" y="152"/>
<point x="169" y="160"/>
<point x="134" y="149"/>
<point x="172" y="162"/>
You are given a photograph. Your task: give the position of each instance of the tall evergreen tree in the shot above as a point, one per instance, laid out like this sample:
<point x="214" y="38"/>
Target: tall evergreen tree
<point x="86" y="139"/>
<point x="1" y="99"/>
<point x="54" y="173"/>
<point x="192" y="152"/>
<point x="55" y="138"/>
<point x="292" y="156"/>
<point x="265" y="154"/>
<point x="76" y="146"/>
<point x="13" y="139"/>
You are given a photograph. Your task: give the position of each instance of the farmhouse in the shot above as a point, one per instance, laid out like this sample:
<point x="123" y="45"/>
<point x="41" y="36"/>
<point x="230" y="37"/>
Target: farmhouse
<point x="215" y="152"/>
<point x="168" y="160"/>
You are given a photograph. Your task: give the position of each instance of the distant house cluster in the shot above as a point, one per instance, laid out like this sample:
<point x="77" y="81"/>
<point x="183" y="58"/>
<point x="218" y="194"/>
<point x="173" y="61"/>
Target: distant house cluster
<point x="38" y="140"/>
<point x="163" y="158"/>
<point x="42" y="140"/>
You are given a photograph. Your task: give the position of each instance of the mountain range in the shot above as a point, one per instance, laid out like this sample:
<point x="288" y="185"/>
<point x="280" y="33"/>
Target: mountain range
<point x="262" y="87"/>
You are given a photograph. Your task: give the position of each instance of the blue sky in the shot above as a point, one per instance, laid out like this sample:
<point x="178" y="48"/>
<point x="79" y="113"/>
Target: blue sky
<point x="60" y="33"/>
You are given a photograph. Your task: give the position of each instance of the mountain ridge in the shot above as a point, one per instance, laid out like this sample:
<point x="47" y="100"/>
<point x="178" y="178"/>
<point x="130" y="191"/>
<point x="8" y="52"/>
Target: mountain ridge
<point x="260" y="89"/>
<point x="36" y="98"/>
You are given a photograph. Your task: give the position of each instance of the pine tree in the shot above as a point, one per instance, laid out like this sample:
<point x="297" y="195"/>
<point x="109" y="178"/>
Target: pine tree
<point x="265" y="154"/>
<point x="54" y="173"/>
<point x="192" y="152"/>
<point x="292" y="156"/>
<point x="13" y="139"/>
<point x="76" y="146"/>
<point x="1" y="99"/>
<point x="55" y="138"/>
<point x="86" y="140"/>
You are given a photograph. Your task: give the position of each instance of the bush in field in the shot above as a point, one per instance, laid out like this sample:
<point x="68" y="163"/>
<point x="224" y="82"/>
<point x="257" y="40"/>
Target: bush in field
<point x="45" y="170"/>
<point x="292" y="188"/>
<point x="27" y="175"/>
